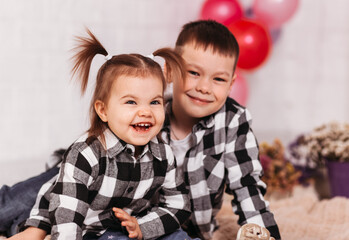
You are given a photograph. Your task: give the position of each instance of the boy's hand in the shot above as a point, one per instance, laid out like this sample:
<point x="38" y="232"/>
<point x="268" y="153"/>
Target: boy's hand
<point x="129" y="222"/>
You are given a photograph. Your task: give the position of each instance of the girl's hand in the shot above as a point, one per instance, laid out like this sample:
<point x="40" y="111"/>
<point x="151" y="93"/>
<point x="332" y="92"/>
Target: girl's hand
<point x="129" y="222"/>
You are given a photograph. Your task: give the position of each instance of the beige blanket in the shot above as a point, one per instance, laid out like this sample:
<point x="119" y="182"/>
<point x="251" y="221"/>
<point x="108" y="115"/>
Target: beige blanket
<point x="300" y="217"/>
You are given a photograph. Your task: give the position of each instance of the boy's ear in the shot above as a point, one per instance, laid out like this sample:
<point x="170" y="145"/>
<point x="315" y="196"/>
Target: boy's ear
<point x="101" y="110"/>
<point x="232" y="81"/>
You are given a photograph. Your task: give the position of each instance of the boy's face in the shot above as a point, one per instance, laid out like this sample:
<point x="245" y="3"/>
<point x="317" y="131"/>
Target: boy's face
<point x="208" y="83"/>
<point x="135" y="109"/>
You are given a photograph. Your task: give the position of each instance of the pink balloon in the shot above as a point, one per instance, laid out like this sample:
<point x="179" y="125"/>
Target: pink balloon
<point x="223" y="11"/>
<point x="274" y="13"/>
<point x="239" y="91"/>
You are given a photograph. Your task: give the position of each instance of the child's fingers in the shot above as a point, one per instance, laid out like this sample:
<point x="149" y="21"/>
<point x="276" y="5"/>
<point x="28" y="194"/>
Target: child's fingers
<point x="130" y="223"/>
<point x="121" y="217"/>
<point x="133" y="234"/>
<point x="130" y="226"/>
<point x="121" y="214"/>
<point x="118" y="210"/>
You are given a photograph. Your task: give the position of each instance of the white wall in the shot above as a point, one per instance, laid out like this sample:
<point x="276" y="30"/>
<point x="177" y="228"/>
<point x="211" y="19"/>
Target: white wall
<point x="41" y="109"/>
<point x="303" y="84"/>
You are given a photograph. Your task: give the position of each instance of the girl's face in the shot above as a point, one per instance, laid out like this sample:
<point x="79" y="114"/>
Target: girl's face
<point x="135" y="109"/>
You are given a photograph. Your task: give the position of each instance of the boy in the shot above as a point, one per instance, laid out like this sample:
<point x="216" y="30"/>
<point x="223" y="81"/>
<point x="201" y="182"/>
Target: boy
<point x="210" y="133"/>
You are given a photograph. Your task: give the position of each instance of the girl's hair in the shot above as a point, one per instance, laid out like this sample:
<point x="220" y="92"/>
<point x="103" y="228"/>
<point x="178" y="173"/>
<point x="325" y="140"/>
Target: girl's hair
<point x="134" y="65"/>
<point x="209" y="33"/>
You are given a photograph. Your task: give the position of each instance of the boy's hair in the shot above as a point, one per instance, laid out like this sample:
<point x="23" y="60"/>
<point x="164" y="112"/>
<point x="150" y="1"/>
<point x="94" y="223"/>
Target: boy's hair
<point x="209" y="33"/>
<point x="134" y="65"/>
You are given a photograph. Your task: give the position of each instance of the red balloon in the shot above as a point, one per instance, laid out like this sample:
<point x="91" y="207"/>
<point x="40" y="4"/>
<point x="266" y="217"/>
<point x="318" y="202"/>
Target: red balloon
<point x="254" y="42"/>
<point x="223" y="11"/>
<point x="239" y="91"/>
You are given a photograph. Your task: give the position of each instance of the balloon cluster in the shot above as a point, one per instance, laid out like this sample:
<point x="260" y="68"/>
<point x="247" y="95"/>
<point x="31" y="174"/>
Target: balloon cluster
<point x="256" y="24"/>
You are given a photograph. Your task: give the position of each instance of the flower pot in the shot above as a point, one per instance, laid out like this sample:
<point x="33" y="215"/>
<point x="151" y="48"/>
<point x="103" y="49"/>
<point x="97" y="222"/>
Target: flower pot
<point x="338" y="176"/>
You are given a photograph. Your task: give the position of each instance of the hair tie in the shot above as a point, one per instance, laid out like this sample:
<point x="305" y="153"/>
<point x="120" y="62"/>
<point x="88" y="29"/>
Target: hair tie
<point x="108" y="57"/>
<point x="151" y="56"/>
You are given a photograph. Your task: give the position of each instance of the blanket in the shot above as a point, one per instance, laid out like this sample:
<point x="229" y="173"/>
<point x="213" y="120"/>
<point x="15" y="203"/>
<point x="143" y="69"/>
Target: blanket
<point x="299" y="216"/>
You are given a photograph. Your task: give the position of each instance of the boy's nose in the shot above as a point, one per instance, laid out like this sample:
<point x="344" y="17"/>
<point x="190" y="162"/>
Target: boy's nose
<point x="203" y="85"/>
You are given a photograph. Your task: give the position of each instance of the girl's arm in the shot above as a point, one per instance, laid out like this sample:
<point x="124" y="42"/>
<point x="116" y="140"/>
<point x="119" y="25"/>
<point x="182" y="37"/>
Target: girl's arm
<point x="69" y="196"/>
<point x="31" y="233"/>
<point x="39" y="215"/>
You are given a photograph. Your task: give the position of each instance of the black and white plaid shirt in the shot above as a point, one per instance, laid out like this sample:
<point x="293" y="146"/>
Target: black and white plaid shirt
<point x="92" y="180"/>
<point x="225" y="155"/>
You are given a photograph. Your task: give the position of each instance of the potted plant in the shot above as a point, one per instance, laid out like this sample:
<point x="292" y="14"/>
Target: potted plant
<point x="279" y="174"/>
<point x="326" y="146"/>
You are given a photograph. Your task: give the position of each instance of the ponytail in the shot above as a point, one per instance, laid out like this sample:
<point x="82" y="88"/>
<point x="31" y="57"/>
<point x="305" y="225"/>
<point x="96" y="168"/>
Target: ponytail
<point x="175" y="65"/>
<point x="86" y="50"/>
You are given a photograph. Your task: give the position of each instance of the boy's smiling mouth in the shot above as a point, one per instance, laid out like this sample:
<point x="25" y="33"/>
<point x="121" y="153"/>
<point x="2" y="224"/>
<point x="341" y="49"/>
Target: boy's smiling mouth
<point x="142" y="127"/>
<point x="199" y="100"/>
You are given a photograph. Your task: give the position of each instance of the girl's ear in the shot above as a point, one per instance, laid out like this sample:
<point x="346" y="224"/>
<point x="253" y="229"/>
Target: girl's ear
<point x="101" y="110"/>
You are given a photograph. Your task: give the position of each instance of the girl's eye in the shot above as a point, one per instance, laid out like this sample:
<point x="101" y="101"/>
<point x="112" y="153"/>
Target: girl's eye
<point x="193" y="73"/>
<point x="155" y="102"/>
<point x="130" y="102"/>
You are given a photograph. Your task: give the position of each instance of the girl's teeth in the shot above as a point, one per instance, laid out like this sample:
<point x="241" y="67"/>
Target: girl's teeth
<point x="143" y="125"/>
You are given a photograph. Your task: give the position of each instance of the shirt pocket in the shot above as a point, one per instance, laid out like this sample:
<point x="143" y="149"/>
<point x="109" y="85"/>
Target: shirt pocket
<point x="214" y="171"/>
<point x="215" y="175"/>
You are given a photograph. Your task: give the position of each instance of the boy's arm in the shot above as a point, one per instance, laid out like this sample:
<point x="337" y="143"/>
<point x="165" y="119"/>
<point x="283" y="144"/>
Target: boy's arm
<point x="173" y="207"/>
<point x="242" y="160"/>
<point x="69" y="197"/>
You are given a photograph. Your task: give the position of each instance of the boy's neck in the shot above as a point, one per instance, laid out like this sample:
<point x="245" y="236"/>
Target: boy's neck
<point x="181" y="124"/>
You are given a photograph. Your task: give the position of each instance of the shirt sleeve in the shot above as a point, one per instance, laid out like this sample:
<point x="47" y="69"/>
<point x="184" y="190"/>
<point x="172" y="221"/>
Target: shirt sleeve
<point x="69" y="196"/>
<point x="244" y="172"/>
<point x="172" y="209"/>
<point x="39" y="215"/>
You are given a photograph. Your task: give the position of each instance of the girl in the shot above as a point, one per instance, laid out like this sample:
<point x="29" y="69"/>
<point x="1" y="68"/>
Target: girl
<point x="119" y="164"/>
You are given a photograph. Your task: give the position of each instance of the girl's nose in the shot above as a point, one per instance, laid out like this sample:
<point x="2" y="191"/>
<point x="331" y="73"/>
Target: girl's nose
<point x="144" y="112"/>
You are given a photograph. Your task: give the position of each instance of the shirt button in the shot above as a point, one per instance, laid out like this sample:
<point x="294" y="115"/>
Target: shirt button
<point x="129" y="150"/>
<point x="129" y="189"/>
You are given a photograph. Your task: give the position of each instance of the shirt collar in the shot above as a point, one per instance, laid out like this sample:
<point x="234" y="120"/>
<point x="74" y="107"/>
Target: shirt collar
<point x="115" y="145"/>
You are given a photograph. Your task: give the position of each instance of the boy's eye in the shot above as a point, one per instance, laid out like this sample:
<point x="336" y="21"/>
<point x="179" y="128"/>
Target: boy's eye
<point x="193" y="73"/>
<point x="130" y="102"/>
<point x="219" y="79"/>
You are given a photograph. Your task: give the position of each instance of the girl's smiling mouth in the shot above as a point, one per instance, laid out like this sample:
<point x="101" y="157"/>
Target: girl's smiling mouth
<point x="142" y="127"/>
